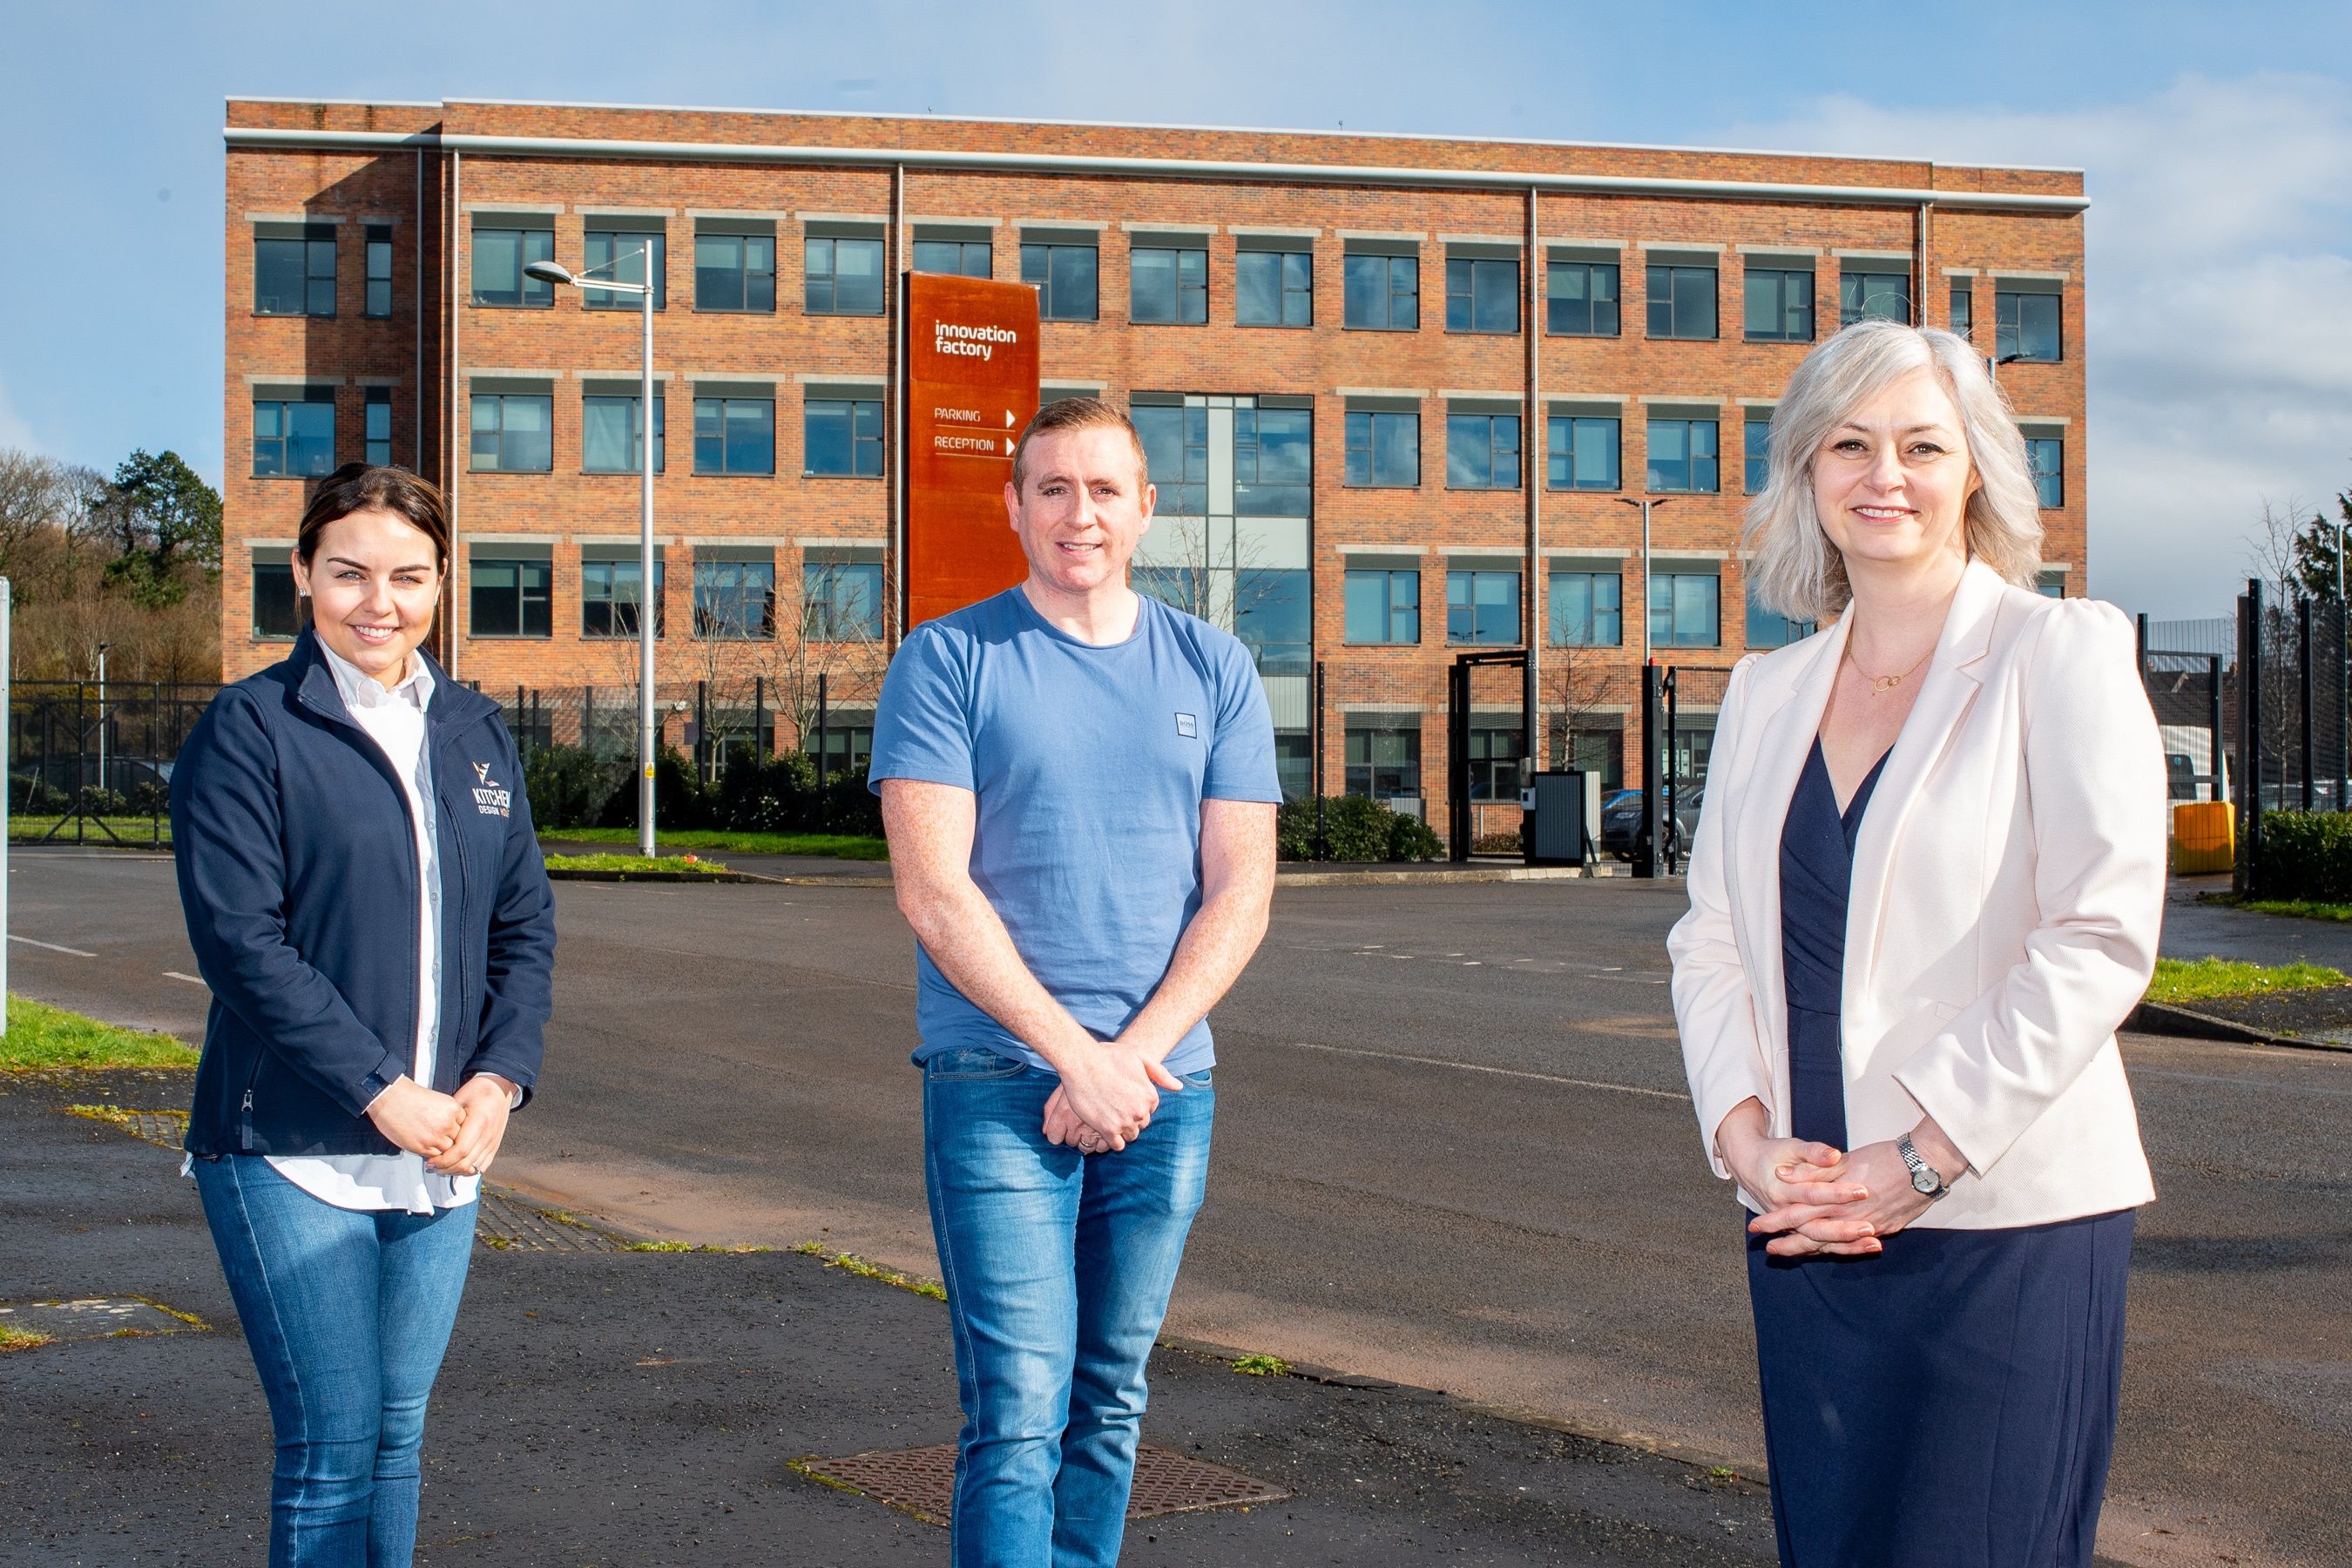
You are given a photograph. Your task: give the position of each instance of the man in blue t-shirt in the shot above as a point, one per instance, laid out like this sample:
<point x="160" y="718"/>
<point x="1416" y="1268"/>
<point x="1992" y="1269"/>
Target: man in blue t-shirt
<point x="1079" y="787"/>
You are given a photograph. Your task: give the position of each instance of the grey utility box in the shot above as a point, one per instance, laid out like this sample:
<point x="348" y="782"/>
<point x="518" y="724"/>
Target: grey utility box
<point x="1564" y="808"/>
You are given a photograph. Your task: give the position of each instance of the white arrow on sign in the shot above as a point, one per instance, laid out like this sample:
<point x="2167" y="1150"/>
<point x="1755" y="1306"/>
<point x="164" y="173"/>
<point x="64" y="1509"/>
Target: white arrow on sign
<point x="1009" y="445"/>
<point x="1008" y="419"/>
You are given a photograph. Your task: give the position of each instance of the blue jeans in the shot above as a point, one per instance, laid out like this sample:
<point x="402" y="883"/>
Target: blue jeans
<point x="347" y="1313"/>
<point x="1057" y="1267"/>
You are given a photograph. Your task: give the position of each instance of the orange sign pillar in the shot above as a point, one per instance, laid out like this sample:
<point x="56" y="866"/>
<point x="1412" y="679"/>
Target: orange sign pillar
<point x="971" y="385"/>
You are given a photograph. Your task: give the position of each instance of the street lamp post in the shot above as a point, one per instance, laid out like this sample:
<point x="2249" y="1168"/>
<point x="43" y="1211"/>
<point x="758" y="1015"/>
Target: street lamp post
<point x="648" y="601"/>
<point x="1645" y="503"/>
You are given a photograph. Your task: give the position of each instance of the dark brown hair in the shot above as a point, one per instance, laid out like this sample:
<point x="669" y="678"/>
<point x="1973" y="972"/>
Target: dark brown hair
<point x="363" y="487"/>
<point x="1079" y="413"/>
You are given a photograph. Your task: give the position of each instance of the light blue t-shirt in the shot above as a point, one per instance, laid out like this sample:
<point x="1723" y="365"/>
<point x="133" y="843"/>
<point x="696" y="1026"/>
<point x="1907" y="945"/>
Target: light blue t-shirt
<point x="1089" y="765"/>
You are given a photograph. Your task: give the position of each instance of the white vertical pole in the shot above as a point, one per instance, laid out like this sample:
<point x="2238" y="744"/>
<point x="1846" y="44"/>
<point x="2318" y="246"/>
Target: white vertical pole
<point x="648" y="604"/>
<point x="8" y="735"/>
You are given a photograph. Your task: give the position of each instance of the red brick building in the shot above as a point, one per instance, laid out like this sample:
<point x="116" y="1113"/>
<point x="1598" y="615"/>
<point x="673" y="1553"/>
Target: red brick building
<point x="1367" y="460"/>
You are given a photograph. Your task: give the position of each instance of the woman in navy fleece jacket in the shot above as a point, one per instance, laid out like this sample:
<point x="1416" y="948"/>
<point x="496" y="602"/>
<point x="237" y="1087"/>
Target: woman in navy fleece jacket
<point x="366" y="898"/>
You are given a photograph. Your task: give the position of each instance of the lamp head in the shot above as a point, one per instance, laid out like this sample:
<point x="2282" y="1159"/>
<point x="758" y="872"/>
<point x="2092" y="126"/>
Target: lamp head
<point x="547" y="272"/>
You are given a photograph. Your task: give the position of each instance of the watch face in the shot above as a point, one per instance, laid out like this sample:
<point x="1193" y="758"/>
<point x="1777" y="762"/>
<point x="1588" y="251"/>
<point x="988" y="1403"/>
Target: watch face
<point x="1925" y="1181"/>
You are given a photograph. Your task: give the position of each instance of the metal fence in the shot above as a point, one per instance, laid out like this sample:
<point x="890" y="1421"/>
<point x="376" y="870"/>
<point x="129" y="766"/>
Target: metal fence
<point x="92" y="762"/>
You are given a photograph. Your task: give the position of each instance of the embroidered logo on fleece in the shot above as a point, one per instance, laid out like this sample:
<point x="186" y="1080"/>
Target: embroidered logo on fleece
<point x="1187" y="727"/>
<point x="491" y="798"/>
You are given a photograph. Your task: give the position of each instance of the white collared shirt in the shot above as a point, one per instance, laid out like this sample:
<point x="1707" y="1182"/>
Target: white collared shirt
<point x="395" y="720"/>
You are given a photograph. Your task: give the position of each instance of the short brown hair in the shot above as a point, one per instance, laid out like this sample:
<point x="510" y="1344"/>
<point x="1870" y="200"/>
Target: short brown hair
<point x="1079" y="413"/>
<point x="363" y="487"/>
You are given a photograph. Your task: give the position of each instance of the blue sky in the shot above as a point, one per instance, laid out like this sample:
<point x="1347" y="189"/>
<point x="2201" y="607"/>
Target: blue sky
<point x="2217" y="142"/>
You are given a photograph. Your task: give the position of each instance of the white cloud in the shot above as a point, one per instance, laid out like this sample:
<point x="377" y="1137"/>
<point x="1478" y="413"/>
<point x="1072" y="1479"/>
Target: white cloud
<point x="15" y="430"/>
<point x="2220" y="297"/>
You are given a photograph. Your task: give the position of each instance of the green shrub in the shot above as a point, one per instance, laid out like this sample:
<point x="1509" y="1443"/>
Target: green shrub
<point x="2306" y="855"/>
<point x="679" y="797"/>
<point x="769" y="794"/>
<point x="1354" y="829"/>
<point x="571" y="786"/>
<point x="849" y="806"/>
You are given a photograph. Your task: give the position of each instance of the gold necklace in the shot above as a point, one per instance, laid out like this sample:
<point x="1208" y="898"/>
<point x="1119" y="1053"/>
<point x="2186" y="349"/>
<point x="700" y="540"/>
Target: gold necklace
<point x="1883" y="683"/>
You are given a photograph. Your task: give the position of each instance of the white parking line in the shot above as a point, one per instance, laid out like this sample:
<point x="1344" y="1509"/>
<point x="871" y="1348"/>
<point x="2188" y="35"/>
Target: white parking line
<point x="175" y="974"/>
<point x="1498" y="1072"/>
<point x="53" y="947"/>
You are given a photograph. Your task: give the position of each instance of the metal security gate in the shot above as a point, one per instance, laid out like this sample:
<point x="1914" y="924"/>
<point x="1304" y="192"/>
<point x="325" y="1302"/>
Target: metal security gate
<point x="1679" y="707"/>
<point x="1485" y="746"/>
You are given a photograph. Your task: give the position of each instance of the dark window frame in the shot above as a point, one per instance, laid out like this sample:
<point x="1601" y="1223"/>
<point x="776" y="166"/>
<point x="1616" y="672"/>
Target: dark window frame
<point x="1286" y="291"/>
<point x="287" y="443"/>
<point x="824" y="615"/>
<point x="593" y="298"/>
<point x="1470" y="284"/>
<point x="318" y="244"/>
<point x="475" y="403"/>
<point x="1472" y="577"/>
<point x="1673" y="273"/>
<point x="1755" y="453"/>
<point x="600" y="584"/>
<point x="531" y="601"/>
<point x="376" y="245"/>
<point x="529" y="293"/>
<point x="963" y="248"/>
<point x="1567" y="449"/>
<point x="751" y="281"/>
<point x="1785" y="308"/>
<point x="1691" y="457"/>
<point x="1373" y="422"/>
<point x="275" y="580"/>
<point x="1051" y="305"/>
<point x="866" y="453"/>
<point x="1666" y="591"/>
<point x="726" y="405"/>
<point x="1404" y="771"/>
<point x="831" y="275"/>
<point x="1256" y="495"/>
<point x="1461" y="424"/>
<point x="1389" y="610"/>
<point x="635" y="461"/>
<point x="1592" y="304"/>
<point x="374" y="448"/>
<point x="1388" y="292"/>
<point x="2010" y="328"/>
<point x="2049" y="477"/>
<point x="1856" y="297"/>
<point x="1189" y="302"/>
<point x="1557" y="627"/>
<point x="1183" y="484"/>
<point x="1961" y="311"/>
<point x="708" y="625"/>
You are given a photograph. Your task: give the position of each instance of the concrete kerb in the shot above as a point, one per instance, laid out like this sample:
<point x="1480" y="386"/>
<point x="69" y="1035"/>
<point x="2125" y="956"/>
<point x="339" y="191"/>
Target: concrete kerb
<point x="2185" y="1023"/>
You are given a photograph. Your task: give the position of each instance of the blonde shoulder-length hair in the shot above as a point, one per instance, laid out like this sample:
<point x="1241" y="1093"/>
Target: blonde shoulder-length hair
<point x="1792" y="565"/>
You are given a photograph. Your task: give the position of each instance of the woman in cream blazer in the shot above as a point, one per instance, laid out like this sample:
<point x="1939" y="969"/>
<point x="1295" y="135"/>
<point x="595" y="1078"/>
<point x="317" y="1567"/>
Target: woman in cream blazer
<point x="1926" y="889"/>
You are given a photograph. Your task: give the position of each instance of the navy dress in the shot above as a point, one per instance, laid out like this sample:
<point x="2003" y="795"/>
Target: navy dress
<point x="1949" y="1403"/>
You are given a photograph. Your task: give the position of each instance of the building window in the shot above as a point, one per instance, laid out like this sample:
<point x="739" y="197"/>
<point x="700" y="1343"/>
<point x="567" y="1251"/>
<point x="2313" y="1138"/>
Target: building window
<point x="499" y="257"/>
<point x="1587" y="609"/>
<point x="735" y="601"/>
<point x="1494" y="763"/>
<point x="1768" y="629"/>
<point x="1274" y="615"/>
<point x="2051" y="585"/>
<point x="1779" y="306"/>
<point x="379" y="271"/>
<point x="1273" y="462"/>
<point x="1383" y="607"/>
<point x="2047" y="454"/>
<point x="843" y="277"/>
<point x="612" y="433"/>
<point x="1274" y="288"/>
<point x="1580" y="453"/>
<point x="1384" y="761"/>
<point x="1684" y="609"/>
<point x="377" y="428"/>
<point x="620" y="254"/>
<point x="1176" y="453"/>
<point x="1481" y="295"/>
<point x="1682" y="453"/>
<point x="1482" y="607"/>
<point x="2025" y="327"/>
<point x="609" y="597"/>
<point x="513" y="433"/>
<point x="1482" y="451"/>
<point x="293" y="438"/>
<point x="1682" y="301"/>
<point x="1293" y="762"/>
<point x="735" y="272"/>
<point x="1381" y="293"/>
<point x="734" y="436"/>
<point x="1964" y="306"/>
<point x="956" y="258"/>
<point x="1874" y="297"/>
<point x="841" y="600"/>
<point x="512" y="598"/>
<point x="1580" y="299"/>
<point x="841" y="437"/>
<point x="1383" y="449"/>
<point x="1184" y="588"/>
<point x="1758" y="452"/>
<point x="847" y="747"/>
<point x="277" y="610"/>
<point x="1065" y="276"/>
<point x="1167" y="287"/>
<point x="295" y="277"/>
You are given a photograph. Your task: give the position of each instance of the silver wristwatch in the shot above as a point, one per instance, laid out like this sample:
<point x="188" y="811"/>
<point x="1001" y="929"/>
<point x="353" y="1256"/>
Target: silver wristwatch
<point x="1924" y="1179"/>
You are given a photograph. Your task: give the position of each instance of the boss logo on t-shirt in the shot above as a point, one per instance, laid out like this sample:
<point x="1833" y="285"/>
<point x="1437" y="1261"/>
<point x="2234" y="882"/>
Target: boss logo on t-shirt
<point x="1186" y="726"/>
<point x="491" y="798"/>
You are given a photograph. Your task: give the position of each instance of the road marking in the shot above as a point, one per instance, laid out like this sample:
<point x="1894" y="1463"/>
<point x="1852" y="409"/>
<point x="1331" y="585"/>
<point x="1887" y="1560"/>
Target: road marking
<point x="1497" y="1072"/>
<point x="53" y="947"/>
<point x="175" y="974"/>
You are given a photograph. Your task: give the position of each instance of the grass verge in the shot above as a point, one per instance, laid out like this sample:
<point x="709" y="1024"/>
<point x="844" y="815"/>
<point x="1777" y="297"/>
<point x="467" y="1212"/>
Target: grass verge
<point x="1260" y="1365"/>
<point x="851" y="1263"/>
<point x="2299" y="908"/>
<point x="681" y="863"/>
<point x="834" y="845"/>
<point x="40" y="1035"/>
<point x="2180" y="982"/>
<point x="141" y="832"/>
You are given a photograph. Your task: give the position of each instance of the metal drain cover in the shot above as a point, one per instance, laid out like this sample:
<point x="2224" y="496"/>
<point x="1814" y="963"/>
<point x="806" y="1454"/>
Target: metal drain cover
<point x="923" y="1481"/>
<point x="93" y="1318"/>
<point x="165" y="1129"/>
<point x="507" y="1224"/>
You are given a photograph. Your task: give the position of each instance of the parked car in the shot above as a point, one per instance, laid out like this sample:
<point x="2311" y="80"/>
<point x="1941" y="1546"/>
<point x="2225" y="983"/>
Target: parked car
<point x="1621" y="819"/>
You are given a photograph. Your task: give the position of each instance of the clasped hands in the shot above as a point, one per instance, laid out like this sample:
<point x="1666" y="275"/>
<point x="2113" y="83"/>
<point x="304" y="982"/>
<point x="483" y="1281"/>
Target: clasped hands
<point x="1821" y="1201"/>
<point x="1105" y="1097"/>
<point x="458" y="1135"/>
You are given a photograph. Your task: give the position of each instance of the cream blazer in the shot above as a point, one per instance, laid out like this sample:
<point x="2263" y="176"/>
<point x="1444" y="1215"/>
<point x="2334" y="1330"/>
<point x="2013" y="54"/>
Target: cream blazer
<point x="2008" y="890"/>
